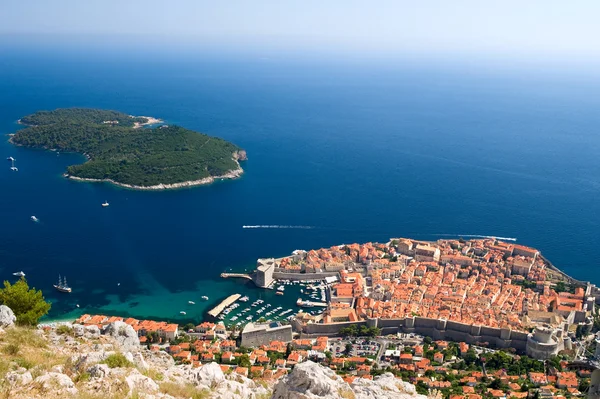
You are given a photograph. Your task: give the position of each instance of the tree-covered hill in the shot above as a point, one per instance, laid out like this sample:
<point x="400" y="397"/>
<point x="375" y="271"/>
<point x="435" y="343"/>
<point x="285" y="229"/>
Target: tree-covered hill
<point x="139" y="157"/>
<point x="80" y="115"/>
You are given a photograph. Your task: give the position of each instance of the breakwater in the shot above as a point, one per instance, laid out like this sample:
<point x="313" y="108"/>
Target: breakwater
<point x="214" y="312"/>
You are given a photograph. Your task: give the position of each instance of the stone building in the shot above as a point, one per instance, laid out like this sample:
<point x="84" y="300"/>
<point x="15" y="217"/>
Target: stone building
<point x="262" y="334"/>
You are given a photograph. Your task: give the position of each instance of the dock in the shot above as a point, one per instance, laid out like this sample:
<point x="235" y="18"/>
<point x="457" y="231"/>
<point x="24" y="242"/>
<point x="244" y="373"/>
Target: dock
<point x="220" y="307"/>
<point x="236" y="275"/>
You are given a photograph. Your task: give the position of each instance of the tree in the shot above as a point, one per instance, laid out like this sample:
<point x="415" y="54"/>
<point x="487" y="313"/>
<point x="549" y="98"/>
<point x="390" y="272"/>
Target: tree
<point x="27" y="304"/>
<point x="188" y="327"/>
<point x="348" y="348"/>
<point x="243" y="361"/>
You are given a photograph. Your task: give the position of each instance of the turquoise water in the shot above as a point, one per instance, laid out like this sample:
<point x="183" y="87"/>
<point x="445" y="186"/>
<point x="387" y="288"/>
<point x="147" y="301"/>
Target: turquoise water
<point x="357" y="152"/>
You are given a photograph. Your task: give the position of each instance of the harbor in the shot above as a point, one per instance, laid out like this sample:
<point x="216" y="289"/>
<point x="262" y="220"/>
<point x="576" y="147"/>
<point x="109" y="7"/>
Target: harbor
<point x="276" y="303"/>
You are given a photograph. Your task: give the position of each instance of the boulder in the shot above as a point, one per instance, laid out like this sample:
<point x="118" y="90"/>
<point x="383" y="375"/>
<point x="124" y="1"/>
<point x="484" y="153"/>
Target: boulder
<point x="128" y="356"/>
<point x="7" y="317"/>
<point x="386" y="386"/>
<point x="78" y="330"/>
<point x="124" y="336"/>
<point x="92" y="331"/>
<point x="57" y="382"/>
<point x="98" y="371"/>
<point x="139" y="361"/>
<point x="80" y="361"/>
<point x="309" y="380"/>
<point x="140" y="383"/>
<point x="18" y="378"/>
<point x="210" y="374"/>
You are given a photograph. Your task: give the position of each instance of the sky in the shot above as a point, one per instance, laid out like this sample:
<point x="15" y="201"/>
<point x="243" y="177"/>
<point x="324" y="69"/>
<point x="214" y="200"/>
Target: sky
<point x="516" y="28"/>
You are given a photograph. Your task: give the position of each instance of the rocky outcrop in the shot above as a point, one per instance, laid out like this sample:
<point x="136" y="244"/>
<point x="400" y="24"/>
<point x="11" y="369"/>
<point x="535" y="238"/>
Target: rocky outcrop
<point x="309" y="380"/>
<point x="383" y="387"/>
<point x="54" y="382"/>
<point x="71" y="364"/>
<point x="125" y="337"/>
<point x="7" y="317"/>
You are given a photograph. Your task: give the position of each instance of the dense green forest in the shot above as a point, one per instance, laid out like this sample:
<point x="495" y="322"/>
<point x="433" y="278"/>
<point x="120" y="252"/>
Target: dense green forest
<point x="80" y="115"/>
<point x="140" y="157"/>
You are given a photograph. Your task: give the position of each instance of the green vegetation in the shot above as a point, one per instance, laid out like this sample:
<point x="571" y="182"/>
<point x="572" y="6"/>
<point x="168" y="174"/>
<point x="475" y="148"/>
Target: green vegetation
<point x="80" y="116"/>
<point x="119" y="152"/>
<point x="364" y="331"/>
<point x="117" y="360"/>
<point x="27" y="304"/>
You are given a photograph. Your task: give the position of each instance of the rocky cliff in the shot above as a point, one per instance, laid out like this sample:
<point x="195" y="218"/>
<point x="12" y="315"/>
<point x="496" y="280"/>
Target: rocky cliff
<point x="72" y="361"/>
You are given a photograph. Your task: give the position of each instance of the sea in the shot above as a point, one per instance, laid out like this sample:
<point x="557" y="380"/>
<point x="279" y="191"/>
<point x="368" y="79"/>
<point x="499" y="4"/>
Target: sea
<point x="339" y="152"/>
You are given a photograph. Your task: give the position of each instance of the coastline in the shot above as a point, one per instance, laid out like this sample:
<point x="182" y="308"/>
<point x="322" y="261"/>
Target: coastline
<point x="239" y="155"/>
<point x="151" y="121"/>
<point x="233" y="174"/>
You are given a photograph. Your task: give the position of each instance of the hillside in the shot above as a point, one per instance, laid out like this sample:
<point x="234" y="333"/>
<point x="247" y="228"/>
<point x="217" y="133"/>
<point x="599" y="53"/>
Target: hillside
<point x="73" y="361"/>
<point x="119" y="152"/>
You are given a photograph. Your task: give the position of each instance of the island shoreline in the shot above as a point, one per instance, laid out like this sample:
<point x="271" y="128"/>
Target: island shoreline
<point x="234" y="174"/>
<point x="238" y="155"/>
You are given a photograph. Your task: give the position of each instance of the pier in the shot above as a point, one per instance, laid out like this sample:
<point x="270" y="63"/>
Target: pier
<point x="236" y="275"/>
<point x="220" y="307"/>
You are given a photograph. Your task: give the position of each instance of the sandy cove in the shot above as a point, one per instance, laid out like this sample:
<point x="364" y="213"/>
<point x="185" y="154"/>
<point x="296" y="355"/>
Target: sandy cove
<point x="151" y="121"/>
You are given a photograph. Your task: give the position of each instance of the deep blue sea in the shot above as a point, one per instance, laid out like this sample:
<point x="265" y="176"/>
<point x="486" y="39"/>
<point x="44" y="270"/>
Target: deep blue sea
<point x="358" y="151"/>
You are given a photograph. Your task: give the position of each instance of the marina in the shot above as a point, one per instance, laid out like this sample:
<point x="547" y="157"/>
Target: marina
<point x="267" y="307"/>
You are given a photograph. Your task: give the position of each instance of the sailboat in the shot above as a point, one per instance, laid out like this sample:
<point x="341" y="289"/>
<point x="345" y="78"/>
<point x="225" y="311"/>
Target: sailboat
<point x="62" y="285"/>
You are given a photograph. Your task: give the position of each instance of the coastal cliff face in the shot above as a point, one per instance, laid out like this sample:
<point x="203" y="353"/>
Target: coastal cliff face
<point x="73" y="361"/>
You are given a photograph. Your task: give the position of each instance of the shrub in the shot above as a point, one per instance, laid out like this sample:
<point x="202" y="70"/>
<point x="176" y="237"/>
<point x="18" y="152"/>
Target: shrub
<point x="11" y="349"/>
<point x="27" y="304"/>
<point x="63" y="329"/>
<point x="117" y="360"/>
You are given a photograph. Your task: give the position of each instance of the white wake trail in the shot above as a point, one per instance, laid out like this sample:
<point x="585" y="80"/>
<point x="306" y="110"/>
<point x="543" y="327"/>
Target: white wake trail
<point x="477" y="236"/>
<point x="274" y="226"/>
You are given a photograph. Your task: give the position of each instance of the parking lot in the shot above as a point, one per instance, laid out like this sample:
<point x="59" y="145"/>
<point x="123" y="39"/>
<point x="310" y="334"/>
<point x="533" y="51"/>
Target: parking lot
<point x="362" y="347"/>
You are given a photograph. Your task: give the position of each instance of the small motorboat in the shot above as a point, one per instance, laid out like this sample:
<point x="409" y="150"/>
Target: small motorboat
<point x="204" y="297"/>
<point x="34" y="219"/>
<point x="19" y="274"/>
<point x="182" y="312"/>
<point x="105" y="204"/>
<point x="191" y="302"/>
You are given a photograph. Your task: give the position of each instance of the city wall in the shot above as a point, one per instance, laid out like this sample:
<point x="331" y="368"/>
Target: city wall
<point x="436" y="329"/>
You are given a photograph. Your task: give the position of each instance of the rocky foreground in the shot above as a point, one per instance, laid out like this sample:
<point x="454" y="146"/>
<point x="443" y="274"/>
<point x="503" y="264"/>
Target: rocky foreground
<point x="72" y="361"/>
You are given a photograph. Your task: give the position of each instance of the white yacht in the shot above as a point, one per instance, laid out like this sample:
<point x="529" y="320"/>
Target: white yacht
<point x="182" y="312"/>
<point x="19" y="274"/>
<point x="105" y="204"/>
<point x="191" y="302"/>
<point x="33" y="218"/>
<point x="244" y="299"/>
<point x="10" y="159"/>
<point x="204" y="297"/>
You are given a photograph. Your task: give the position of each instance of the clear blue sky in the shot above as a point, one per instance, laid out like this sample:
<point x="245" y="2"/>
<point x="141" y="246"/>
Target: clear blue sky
<point x="523" y="28"/>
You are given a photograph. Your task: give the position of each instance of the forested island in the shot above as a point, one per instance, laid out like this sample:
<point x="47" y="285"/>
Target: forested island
<point x="121" y="152"/>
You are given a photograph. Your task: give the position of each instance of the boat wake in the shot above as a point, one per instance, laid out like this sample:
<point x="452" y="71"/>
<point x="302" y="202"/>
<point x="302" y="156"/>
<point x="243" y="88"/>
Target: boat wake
<point x="476" y="236"/>
<point x="275" y="226"/>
